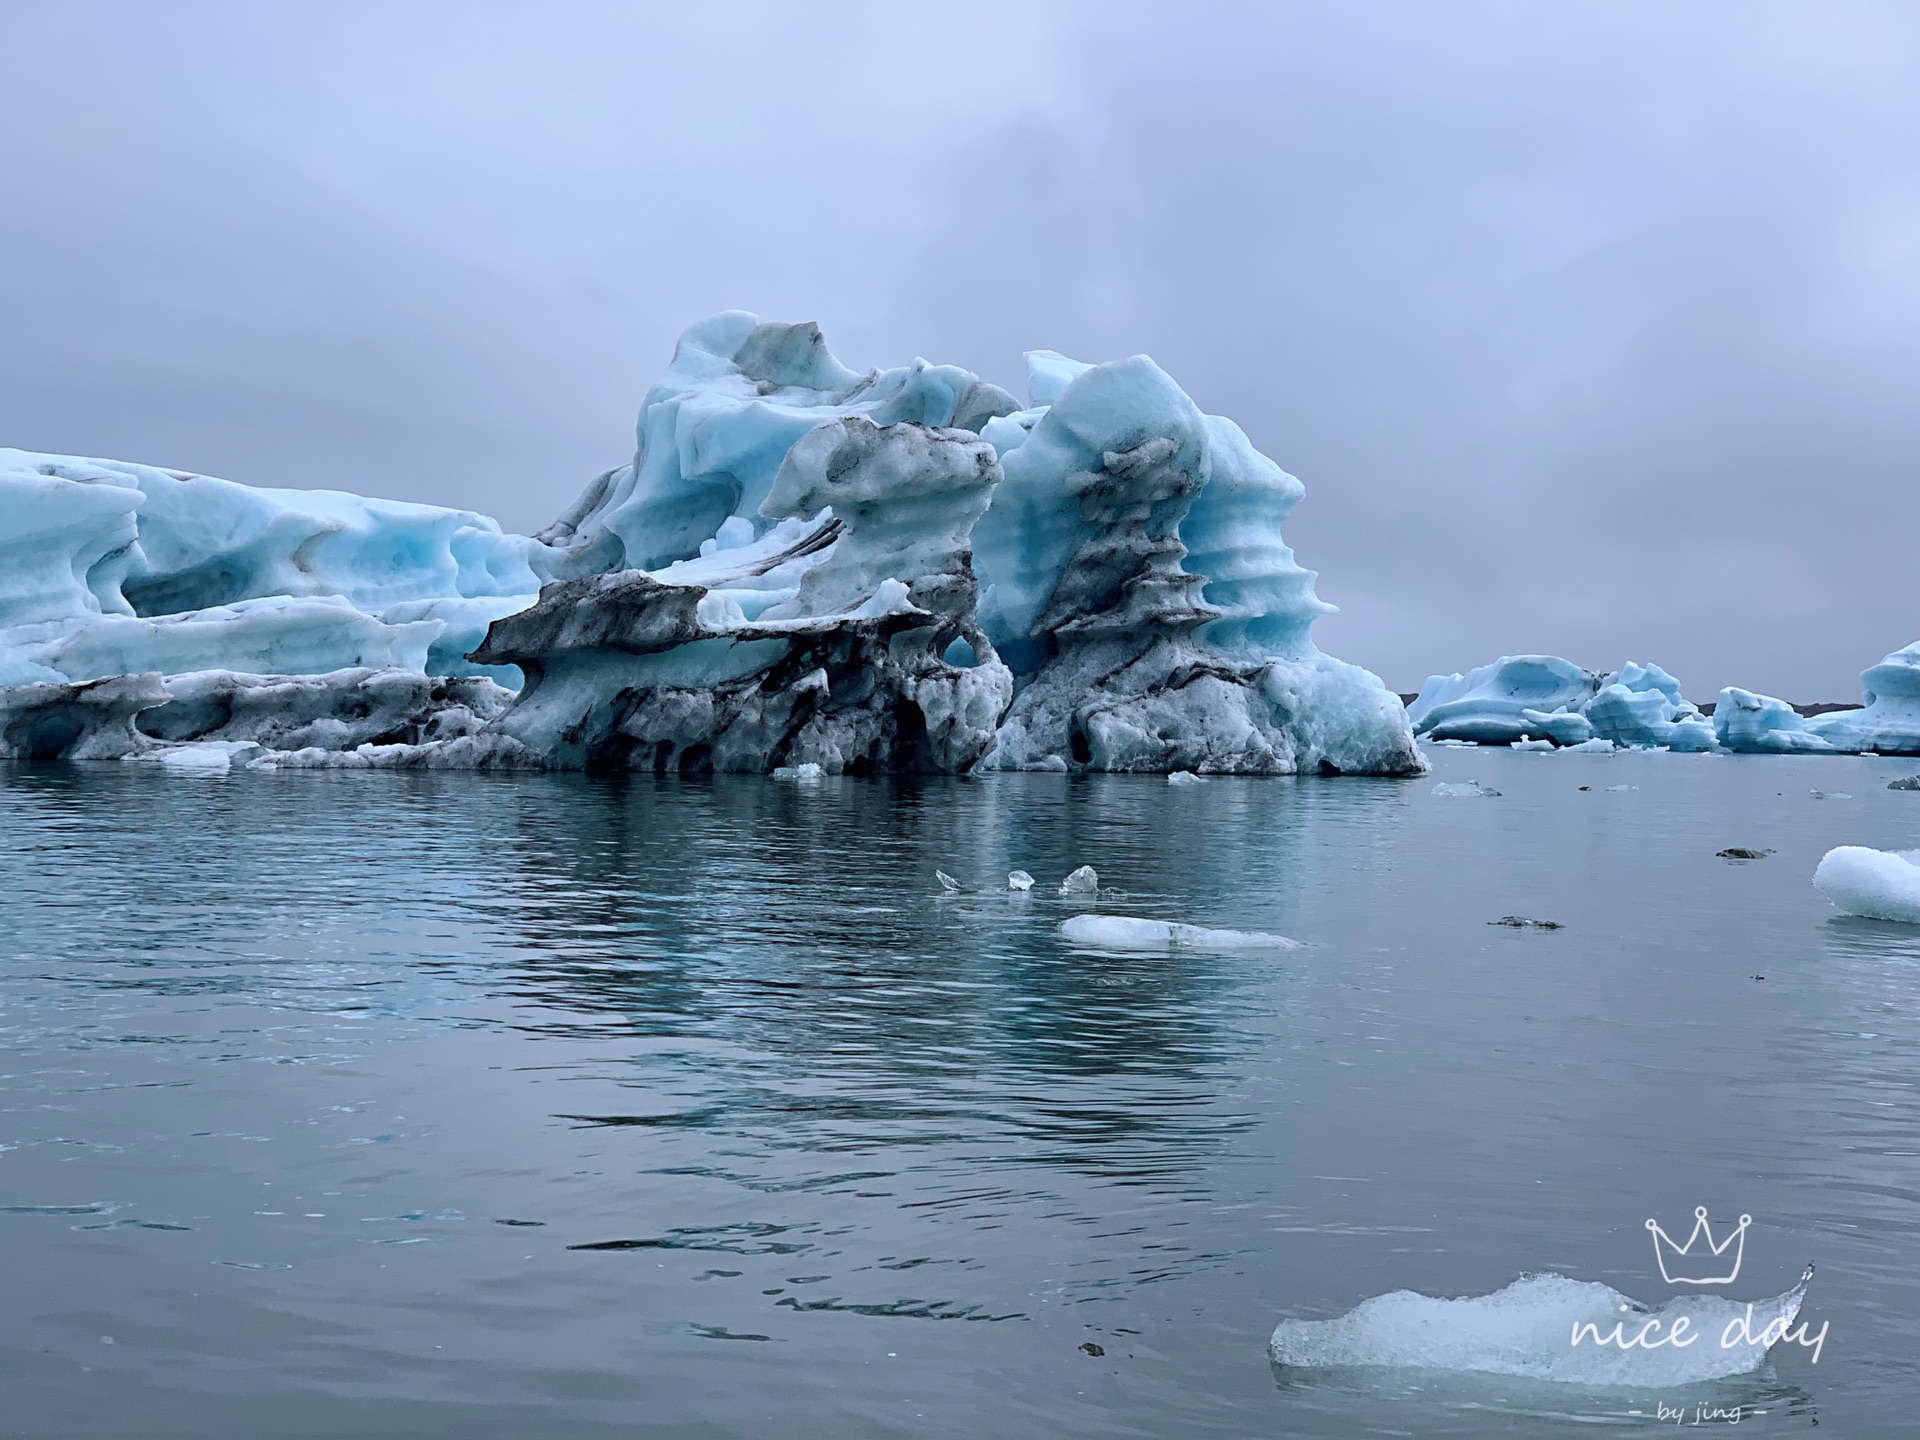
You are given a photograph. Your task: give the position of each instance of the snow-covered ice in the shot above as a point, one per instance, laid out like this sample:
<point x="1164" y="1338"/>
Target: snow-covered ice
<point x="1184" y="777"/>
<point x="1876" y="884"/>
<point x="1124" y="932"/>
<point x="1528" y="1329"/>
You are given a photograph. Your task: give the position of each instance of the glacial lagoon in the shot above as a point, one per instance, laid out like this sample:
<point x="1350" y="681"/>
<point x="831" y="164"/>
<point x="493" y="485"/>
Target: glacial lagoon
<point x="337" y="1103"/>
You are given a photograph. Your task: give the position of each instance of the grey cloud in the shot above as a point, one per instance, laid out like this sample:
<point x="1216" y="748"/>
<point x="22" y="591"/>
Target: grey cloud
<point x="1590" y="328"/>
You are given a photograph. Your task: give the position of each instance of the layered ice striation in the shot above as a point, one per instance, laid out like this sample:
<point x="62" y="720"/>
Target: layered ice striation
<point x="1135" y="579"/>
<point x="801" y="565"/>
<point x="1549" y="1327"/>
<point x="805" y="646"/>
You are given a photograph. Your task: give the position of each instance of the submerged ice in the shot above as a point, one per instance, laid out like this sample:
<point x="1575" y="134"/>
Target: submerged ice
<point x="801" y="566"/>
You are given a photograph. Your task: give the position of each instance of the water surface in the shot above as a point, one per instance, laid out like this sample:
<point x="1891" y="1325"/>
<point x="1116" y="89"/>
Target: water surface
<point x="364" y="1104"/>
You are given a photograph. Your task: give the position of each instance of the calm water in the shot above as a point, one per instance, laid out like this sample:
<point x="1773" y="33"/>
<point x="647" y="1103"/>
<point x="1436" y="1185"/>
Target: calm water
<point x="385" y="1105"/>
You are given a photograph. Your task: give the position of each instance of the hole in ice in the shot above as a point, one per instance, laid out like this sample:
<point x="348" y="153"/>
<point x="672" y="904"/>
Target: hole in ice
<point x="960" y="654"/>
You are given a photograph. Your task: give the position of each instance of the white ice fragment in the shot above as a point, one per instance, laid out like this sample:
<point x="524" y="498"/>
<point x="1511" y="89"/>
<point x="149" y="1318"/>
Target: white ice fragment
<point x="1185" y="777"/>
<point x="206" y="757"/>
<point x="947" y="882"/>
<point x="1125" y="932"/>
<point x="805" y="771"/>
<point x="1595" y="746"/>
<point x="1828" y="795"/>
<point x="1081" y="881"/>
<point x="1877" y="884"/>
<point x="1524" y="743"/>
<point x="1471" y="787"/>
<point x="1528" y="1329"/>
<point x="1019" y="880"/>
<point x="1623" y="787"/>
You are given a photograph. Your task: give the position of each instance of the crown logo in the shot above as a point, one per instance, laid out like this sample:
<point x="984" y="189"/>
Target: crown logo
<point x="1707" y="1264"/>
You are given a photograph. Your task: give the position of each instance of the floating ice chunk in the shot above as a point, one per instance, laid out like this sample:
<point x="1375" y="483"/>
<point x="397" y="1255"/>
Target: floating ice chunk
<point x="1623" y="787"/>
<point x="1470" y="787"/>
<point x="1019" y="880"/>
<point x="1905" y="782"/>
<point x="1595" y="746"/>
<point x="1530" y="1329"/>
<point x="1828" y="795"/>
<point x="1878" y="884"/>
<point x="947" y="882"/>
<point x="1081" y="881"/>
<point x="805" y="771"/>
<point x="1124" y="932"/>
<point x="1527" y="743"/>
<point x="201" y="757"/>
<point x="1184" y="777"/>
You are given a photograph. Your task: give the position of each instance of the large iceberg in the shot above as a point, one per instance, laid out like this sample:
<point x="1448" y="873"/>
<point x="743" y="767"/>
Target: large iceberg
<point x="1524" y="698"/>
<point x="1888" y="724"/>
<point x="801" y="565"/>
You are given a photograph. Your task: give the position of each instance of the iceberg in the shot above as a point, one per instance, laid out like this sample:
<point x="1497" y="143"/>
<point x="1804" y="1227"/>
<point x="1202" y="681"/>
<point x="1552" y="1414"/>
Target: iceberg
<point x="1517" y="697"/>
<point x="1548" y="1327"/>
<point x="1641" y="707"/>
<point x="801" y="565"/>
<point x="1889" y="722"/>
<point x="1524" y="699"/>
<point x="1875" y="884"/>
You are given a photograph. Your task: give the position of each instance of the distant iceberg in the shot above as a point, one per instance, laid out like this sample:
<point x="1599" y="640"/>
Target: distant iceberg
<point x="802" y="565"/>
<point x="1542" y="697"/>
<point x="1525" y="699"/>
<point x="1888" y="724"/>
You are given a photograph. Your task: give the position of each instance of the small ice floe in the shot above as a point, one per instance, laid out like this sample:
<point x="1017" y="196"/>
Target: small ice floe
<point x="1547" y="1327"/>
<point x="1526" y="742"/>
<point x="1081" y="882"/>
<point x="1185" y="777"/>
<point x="947" y="882"/>
<point x="1876" y="884"/>
<point x="1741" y="852"/>
<point x="804" y="771"/>
<point x="1470" y="787"/>
<point x="1905" y="782"/>
<point x="1595" y="746"/>
<point x="1828" y="795"/>
<point x="1125" y="932"/>
<point x="202" y="757"/>
<point x="1522" y="922"/>
<point x="1623" y="787"/>
<point x="1019" y="880"/>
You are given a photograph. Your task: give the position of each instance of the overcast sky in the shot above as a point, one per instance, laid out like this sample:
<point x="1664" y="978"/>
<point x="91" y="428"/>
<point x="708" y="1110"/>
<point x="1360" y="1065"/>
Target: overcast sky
<point x="1592" y="329"/>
